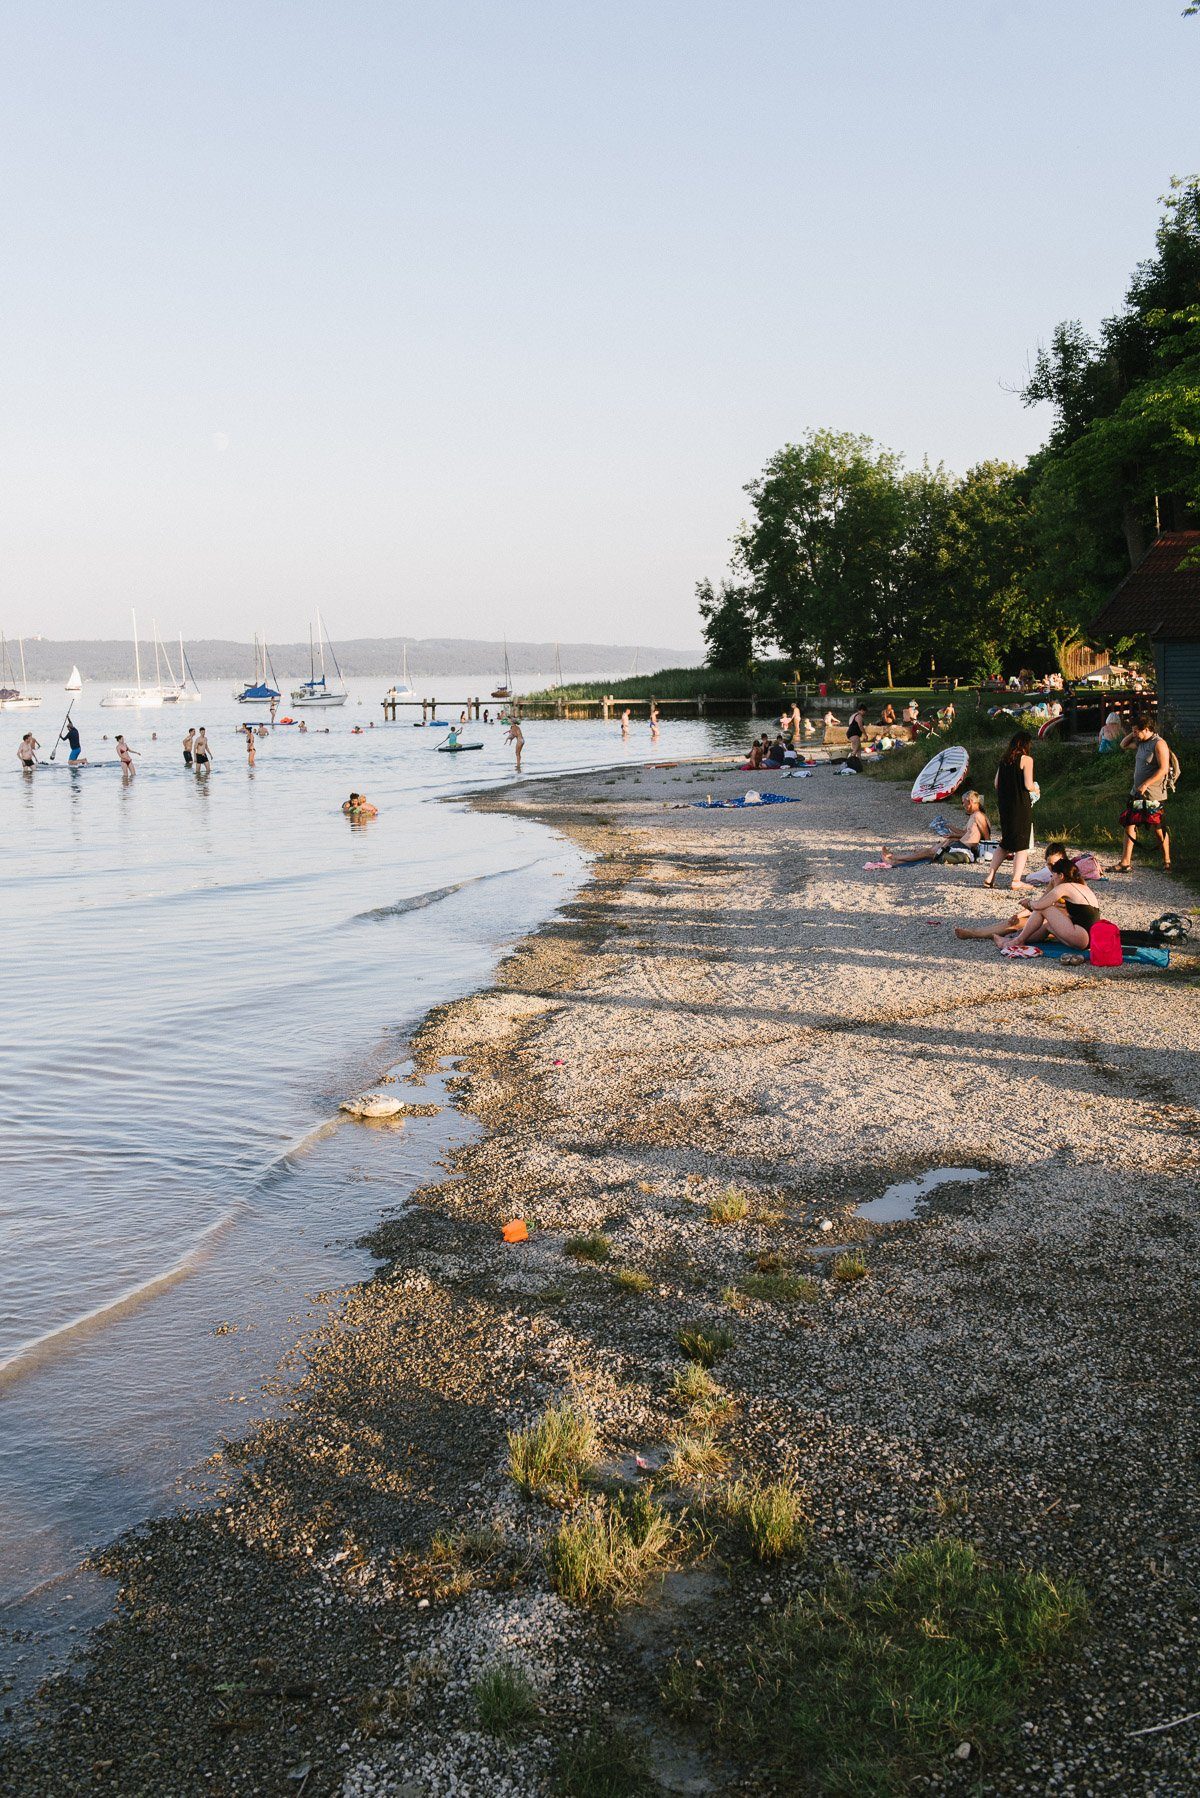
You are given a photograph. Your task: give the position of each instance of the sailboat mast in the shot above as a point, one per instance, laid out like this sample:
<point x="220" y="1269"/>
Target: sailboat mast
<point x="21" y="646"/>
<point x="321" y="646"/>
<point x="137" y="654"/>
<point x="157" y="662"/>
<point x="312" y="665"/>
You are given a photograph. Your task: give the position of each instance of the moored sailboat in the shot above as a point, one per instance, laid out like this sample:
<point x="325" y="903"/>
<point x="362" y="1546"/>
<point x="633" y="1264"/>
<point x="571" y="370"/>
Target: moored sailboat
<point x="260" y="691"/>
<point x="316" y="690"/>
<point x="14" y="697"/>
<point x="138" y="696"/>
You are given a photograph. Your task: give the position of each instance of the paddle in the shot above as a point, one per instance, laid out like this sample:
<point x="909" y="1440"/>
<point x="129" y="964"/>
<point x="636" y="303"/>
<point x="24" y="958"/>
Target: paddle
<point x="65" y="723"/>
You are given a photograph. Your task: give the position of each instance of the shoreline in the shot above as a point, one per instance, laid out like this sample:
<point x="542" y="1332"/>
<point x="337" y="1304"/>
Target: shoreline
<point x="728" y="999"/>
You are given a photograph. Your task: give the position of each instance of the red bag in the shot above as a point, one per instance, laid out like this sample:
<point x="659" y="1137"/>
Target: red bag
<point x="1104" y="944"/>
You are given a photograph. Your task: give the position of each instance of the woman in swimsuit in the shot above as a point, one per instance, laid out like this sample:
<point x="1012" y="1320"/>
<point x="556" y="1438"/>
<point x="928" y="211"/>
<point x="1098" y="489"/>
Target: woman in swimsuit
<point x="1066" y="911"/>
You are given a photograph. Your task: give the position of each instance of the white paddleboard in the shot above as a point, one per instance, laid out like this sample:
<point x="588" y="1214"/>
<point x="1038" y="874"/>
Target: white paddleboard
<point x="942" y="775"/>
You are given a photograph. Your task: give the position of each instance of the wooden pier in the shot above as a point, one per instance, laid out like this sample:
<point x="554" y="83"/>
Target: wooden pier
<point x="428" y="707"/>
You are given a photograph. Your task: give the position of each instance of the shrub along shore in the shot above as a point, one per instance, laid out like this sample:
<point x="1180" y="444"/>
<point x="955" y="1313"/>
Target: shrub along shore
<point x="710" y="1483"/>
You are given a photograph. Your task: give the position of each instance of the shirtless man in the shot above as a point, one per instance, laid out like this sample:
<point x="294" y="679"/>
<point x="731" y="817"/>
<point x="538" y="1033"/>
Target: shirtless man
<point x="653" y="723"/>
<point x="125" y="756"/>
<point x="202" y="754"/>
<point x="625" y="722"/>
<point x="187" y="746"/>
<point x="359" y="806"/>
<point x="27" y="750"/>
<point x="516" y="737"/>
<point x="974" y="832"/>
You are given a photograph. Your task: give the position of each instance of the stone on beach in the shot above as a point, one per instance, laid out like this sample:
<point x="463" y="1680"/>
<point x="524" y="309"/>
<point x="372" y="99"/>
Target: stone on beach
<point x="372" y="1105"/>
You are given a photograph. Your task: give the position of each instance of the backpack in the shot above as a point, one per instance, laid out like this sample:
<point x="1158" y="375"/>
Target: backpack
<point x="1173" y="770"/>
<point x="1172" y="927"/>
<point x="1104" y="944"/>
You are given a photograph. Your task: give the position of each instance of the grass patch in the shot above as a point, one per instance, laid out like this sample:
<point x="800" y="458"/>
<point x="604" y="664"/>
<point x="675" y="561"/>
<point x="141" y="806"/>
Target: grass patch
<point x="552" y="1455"/>
<point x="595" y="1246"/>
<point x="631" y="1279"/>
<point x="696" y="1457"/>
<point x="605" y="1555"/>
<point x="867" y="1685"/>
<point x="602" y="1764"/>
<point x="780" y="1288"/>
<point x="505" y="1700"/>
<point x="849" y="1266"/>
<point x="772" y="1515"/>
<point x="733" y="1207"/>
<point x="693" y="1385"/>
<point x="705" y="1346"/>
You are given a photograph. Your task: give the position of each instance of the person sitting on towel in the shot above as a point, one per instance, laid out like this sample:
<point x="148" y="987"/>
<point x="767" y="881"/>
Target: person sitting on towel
<point x="958" y="846"/>
<point x="1065" y="912"/>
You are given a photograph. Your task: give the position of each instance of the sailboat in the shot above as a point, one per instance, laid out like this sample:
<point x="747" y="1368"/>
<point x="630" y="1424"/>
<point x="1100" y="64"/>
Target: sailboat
<point x="185" y="689"/>
<point x="259" y="691"/>
<point x="316" y="689"/>
<point x="74" y="681"/>
<point x="122" y="698"/>
<point x="505" y="691"/>
<point x="14" y="698"/>
<point x="403" y="691"/>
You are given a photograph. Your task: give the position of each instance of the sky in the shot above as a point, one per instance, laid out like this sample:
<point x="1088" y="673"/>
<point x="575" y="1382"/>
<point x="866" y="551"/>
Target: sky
<point x="464" y="317"/>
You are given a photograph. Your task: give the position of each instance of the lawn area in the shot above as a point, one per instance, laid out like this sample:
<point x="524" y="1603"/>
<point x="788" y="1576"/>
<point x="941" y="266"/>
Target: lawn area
<point x="1083" y="793"/>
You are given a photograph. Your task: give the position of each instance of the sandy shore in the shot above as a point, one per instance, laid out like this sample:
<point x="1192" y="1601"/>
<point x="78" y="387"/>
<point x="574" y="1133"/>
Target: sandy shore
<point x="731" y="1001"/>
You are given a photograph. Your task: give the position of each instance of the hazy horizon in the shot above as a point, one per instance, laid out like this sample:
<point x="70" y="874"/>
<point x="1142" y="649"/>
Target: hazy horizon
<point x="463" y="318"/>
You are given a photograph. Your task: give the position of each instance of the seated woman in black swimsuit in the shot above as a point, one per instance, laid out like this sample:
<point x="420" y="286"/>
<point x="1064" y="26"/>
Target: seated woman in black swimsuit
<point x="1066" y="911"/>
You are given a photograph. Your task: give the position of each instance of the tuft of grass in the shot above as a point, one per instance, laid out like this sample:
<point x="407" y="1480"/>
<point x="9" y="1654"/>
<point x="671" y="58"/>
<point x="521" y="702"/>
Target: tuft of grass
<point x="772" y="1515"/>
<point x="696" y="1457"/>
<point x="602" y="1764"/>
<point x="849" y="1266"/>
<point x="631" y="1279"/>
<point x="780" y="1288"/>
<point x="703" y="1345"/>
<point x="955" y="1501"/>
<point x="733" y="1297"/>
<point x="505" y="1699"/>
<point x="605" y="1554"/>
<point x="692" y="1386"/>
<point x="552" y="1455"/>
<point x="866" y="1686"/>
<point x="595" y="1246"/>
<point x="733" y="1207"/>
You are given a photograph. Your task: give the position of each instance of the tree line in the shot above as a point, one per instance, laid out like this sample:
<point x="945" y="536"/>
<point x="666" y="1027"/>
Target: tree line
<point x="849" y="563"/>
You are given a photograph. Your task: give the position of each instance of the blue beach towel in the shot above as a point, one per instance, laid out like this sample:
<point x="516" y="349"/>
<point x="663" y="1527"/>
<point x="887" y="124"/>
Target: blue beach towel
<point x="718" y="805"/>
<point x="1148" y="956"/>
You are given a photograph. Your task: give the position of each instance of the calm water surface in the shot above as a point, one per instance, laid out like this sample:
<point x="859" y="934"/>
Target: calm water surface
<point x="193" y="973"/>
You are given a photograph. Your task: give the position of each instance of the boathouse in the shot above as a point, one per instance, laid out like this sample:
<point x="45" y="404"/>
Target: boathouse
<point x="1160" y="599"/>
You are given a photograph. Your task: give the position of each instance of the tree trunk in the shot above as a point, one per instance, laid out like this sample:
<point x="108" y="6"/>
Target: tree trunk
<point x="891" y="682"/>
<point x="1134" y="527"/>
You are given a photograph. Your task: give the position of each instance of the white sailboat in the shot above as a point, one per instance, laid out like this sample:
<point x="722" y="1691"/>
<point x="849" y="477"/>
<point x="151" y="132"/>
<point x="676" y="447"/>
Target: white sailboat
<point x="74" y="681"/>
<point x="14" y="698"/>
<point x="504" y="691"/>
<point x="184" y="690"/>
<point x="316" y="689"/>
<point x="404" y="690"/>
<point x="127" y="698"/>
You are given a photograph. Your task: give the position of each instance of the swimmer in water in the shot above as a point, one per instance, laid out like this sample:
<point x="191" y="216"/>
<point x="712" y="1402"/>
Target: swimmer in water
<point x="126" y="755"/>
<point x="359" y="806"/>
<point x="516" y="737"/>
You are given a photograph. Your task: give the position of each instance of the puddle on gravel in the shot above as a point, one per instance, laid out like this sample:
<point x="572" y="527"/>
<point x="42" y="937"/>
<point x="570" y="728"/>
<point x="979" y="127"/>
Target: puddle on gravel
<point x="899" y="1203"/>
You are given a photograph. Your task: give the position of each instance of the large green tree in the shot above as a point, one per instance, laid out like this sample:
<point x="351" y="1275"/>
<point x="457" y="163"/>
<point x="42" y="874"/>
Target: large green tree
<point x="728" y="624"/>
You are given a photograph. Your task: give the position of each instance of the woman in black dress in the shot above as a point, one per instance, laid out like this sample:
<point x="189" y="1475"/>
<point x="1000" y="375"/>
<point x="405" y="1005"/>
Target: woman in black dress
<point x="1015" y="791"/>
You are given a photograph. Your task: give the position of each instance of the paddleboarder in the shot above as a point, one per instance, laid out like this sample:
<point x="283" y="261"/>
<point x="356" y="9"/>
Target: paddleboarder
<point x="69" y="734"/>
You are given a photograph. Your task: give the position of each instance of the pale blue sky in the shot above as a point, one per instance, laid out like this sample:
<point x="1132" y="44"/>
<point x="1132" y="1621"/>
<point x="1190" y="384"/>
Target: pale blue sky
<point x="464" y="317"/>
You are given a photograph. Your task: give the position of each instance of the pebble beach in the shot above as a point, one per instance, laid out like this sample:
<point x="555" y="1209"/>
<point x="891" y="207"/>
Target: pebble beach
<point x="731" y="1004"/>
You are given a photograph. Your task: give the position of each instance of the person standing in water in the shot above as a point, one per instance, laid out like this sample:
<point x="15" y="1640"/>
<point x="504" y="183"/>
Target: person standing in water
<point x="653" y="722"/>
<point x="125" y="755"/>
<point x="625" y="722"/>
<point x="274" y="707"/>
<point x="27" y="750"/>
<point x="201" y="752"/>
<point x="250" y="746"/>
<point x="69" y="734"/>
<point x="516" y="737"/>
<point x="187" y="746"/>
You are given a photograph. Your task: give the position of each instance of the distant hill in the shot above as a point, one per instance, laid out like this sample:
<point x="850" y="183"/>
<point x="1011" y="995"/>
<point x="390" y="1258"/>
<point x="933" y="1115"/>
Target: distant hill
<point x="216" y="658"/>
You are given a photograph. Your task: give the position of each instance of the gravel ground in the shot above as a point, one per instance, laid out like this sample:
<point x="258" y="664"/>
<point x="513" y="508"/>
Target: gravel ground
<point x="731" y="1000"/>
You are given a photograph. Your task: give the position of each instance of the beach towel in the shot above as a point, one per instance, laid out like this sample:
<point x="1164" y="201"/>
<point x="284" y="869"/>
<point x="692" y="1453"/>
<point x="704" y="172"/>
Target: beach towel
<point x="1148" y="954"/>
<point x="703" y="805"/>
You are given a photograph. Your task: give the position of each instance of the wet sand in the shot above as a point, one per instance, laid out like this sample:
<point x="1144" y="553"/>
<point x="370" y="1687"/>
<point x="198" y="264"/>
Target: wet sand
<point x="731" y="1001"/>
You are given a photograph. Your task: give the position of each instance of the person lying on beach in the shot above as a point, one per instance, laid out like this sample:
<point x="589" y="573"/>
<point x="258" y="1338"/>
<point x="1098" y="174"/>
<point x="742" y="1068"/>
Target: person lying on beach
<point x="959" y="845"/>
<point x="1066" y="911"/>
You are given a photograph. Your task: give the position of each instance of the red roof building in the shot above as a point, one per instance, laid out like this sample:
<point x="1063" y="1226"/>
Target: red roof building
<point x="1160" y="599"/>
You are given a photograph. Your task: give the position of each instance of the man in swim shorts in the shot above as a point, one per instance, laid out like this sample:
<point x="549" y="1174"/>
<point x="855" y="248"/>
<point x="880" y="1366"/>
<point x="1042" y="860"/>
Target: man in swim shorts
<point x="187" y="746"/>
<point x="69" y="734"/>
<point x="27" y="750"/>
<point x="201" y="753"/>
<point x="957" y="846"/>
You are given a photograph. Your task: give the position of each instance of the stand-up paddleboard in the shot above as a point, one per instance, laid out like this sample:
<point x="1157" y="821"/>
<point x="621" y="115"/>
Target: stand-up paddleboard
<point x="942" y="775"/>
<point x="456" y="748"/>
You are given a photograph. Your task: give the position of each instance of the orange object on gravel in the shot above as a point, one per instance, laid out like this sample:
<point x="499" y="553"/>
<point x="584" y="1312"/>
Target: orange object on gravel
<point x="516" y="1231"/>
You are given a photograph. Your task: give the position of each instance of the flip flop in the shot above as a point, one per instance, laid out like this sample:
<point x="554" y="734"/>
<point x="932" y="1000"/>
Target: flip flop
<point x="1019" y="951"/>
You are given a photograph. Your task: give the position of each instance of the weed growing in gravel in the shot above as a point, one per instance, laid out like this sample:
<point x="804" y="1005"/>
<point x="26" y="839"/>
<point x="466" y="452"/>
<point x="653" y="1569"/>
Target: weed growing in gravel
<point x="953" y="1502"/>
<point x="733" y="1297"/>
<point x="505" y="1699"/>
<point x="606" y="1553"/>
<point x="780" y="1288"/>
<point x="703" y="1345"/>
<point x="631" y="1279"/>
<point x="733" y="1207"/>
<point x="772" y="1516"/>
<point x="849" y="1266"/>
<point x="593" y="1247"/>
<point x="691" y="1385"/>
<point x="553" y="1454"/>
<point x="865" y="1686"/>
<point x="695" y="1457"/>
<point x="602" y="1764"/>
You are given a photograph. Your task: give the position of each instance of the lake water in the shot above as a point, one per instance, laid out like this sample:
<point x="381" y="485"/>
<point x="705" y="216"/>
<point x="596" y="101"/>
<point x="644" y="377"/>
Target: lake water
<point x="194" y="972"/>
